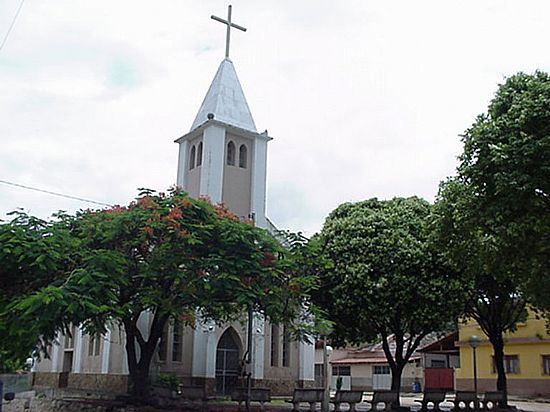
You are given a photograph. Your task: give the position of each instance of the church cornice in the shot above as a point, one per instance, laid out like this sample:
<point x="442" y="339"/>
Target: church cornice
<point x="230" y="128"/>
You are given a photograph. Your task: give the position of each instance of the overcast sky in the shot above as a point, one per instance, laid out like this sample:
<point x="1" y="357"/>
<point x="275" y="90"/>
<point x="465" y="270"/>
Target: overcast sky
<point x="363" y="98"/>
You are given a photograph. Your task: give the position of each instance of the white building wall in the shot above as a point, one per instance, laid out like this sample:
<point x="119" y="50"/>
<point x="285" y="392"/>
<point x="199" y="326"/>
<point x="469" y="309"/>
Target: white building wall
<point x="204" y="350"/>
<point x="211" y="180"/>
<point x="306" y="354"/>
<point x="182" y="163"/>
<point x="258" y="343"/>
<point x="56" y="355"/>
<point x="78" y="351"/>
<point x="259" y="178"/>
<point x="106" y="352"/>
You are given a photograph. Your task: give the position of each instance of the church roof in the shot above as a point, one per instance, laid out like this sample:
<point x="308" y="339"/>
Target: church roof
<point x="225" y="100"/>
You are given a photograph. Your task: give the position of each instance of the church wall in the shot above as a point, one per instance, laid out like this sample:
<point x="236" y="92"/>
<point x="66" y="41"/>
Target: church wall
<point x="237" y="180"/>
<point x="184" y="366"/>
<point x="211" y="179"/>
<point x="281" y="379"/>
<point x="284" y="372"/>
<point x="118" y="360"/>
<point x="259" y="178"/>
<point x="182" y="163"/>
<point x="57" y="361"/>
<point x="90" y="363"/>
<point x="45" y="365"/>
<point x="192" y="176"/>
<point x="187" y="360"/>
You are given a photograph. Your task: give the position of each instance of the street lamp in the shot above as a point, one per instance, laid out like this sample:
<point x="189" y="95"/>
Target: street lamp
<point x="327" y="350"/>
<point x="474" y="343"/>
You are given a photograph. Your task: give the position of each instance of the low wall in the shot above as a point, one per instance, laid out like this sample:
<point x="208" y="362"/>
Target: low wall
<point x="282" y="387"/>
<point x="93" y="381"/>
<point x="16" y="382"/>
<point x="45" y="380"/>
<point x="118" y="384"/>
<point x="56" y="405"/>
<point x="278" y="387"/>
<point x="365" y="384"/>
<point x="115" y="384"/>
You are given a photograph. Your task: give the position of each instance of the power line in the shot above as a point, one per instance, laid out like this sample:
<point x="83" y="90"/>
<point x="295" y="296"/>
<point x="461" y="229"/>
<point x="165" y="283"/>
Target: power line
<point x="81" y="199"/>
<point x="11" y="25"/>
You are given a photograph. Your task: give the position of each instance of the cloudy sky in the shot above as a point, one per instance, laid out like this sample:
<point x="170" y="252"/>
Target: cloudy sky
<point x="364" y="98"/>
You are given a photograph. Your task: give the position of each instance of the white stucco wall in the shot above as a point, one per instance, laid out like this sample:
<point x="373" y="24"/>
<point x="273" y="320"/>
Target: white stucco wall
<point x="211" y="179"/>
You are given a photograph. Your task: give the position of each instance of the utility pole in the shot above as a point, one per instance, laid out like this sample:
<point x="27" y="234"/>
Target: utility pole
<point x="474" y="343"/>
<point x="249" y="359"/>
<point x="326" y="386"/>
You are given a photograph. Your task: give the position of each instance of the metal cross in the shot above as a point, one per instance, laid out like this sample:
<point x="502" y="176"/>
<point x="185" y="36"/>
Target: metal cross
<point x="229" y="24"/>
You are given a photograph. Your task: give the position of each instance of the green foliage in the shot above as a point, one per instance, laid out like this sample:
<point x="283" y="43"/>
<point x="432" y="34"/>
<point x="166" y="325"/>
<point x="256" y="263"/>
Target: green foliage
<point x="34" y="254"/>
<point x="382" y="273"/>
<point x="304" y="256"/>
<point x="381" y="276"/>
<point x="10" y="363"/>
<point x="169" y="380"/>
<point x="506" y="167"/>
<point x="473" y="249"/>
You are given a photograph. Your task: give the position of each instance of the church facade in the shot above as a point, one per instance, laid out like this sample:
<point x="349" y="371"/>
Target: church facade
<point x="224" y="158"/>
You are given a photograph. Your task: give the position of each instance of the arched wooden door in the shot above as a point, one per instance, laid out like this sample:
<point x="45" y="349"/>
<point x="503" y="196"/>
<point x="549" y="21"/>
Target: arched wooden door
<point x="228" y="358"/>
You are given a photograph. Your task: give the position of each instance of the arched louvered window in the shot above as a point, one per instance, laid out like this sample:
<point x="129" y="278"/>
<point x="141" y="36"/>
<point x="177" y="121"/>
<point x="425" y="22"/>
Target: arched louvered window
<point x="231" y="154"/>
<point x="243" y="151"/>
<point x="199" y="154"/>
<point x="192" y="158"/>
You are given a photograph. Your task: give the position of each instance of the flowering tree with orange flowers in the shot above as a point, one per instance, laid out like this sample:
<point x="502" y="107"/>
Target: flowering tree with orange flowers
<point x="173" y="257"/>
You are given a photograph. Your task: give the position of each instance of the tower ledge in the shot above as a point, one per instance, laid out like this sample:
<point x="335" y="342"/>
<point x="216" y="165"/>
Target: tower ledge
<point x="197" y="131"/>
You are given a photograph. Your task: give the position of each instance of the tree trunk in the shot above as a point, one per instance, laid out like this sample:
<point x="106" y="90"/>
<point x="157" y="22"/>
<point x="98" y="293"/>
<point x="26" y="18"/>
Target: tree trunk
<point x="139" y="379"/>
<point x="139" y="370"/>
<point x="396" y="378"/>
<point x="498" y="348"/>
<point x="396" y="362"/>
<point x="140" y="384"/>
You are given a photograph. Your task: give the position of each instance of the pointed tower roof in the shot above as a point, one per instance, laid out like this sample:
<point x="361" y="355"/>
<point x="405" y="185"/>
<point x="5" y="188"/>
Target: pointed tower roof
<point x="225" y="100"/>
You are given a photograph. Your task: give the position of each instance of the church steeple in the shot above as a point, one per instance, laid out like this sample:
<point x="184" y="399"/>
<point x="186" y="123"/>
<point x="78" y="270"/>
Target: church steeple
<point x="225" y="100"/>
<point x="223" y="157"/>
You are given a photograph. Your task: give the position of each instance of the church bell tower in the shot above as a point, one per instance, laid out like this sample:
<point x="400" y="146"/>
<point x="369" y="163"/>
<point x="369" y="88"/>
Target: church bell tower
<point x="223" y="156"/>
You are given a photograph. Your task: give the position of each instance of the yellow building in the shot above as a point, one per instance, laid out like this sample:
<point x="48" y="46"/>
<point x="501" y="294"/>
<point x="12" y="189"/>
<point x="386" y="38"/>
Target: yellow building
<point x="527" y="359"/>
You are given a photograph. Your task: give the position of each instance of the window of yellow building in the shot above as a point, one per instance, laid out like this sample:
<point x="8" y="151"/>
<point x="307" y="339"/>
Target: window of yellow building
<point x="546" y="364"/>
<point x="511" y="364"/>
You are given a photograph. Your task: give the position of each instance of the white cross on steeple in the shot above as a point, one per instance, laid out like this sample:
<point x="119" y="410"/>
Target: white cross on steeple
<point x="229" y="25"/>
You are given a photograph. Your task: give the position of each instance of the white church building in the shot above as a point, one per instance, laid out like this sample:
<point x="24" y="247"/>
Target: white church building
<point x="224" y="158"/>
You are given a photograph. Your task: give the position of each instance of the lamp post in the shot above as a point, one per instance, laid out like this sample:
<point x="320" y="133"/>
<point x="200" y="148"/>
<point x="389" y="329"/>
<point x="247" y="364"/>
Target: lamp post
<point x="327" y="350"/>
<point x="474" y="343"/>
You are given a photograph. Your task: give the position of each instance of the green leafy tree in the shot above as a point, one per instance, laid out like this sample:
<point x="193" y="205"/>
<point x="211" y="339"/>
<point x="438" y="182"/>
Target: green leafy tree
<point x="493" y="218"/>
<point x="497" y="303"/>
<point x="506" y="165"/>
<point x="171" y="256"/>
<point x="380" y="277"/>
<point x="33" y="254"/>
